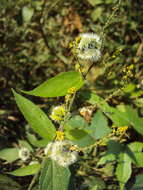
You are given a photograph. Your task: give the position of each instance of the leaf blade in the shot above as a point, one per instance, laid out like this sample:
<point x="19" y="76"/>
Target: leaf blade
<point x="27" y="170"/>
<point x="58" y="85"/>
<point x="54" y="176"/>
<point x="38" y="120"/>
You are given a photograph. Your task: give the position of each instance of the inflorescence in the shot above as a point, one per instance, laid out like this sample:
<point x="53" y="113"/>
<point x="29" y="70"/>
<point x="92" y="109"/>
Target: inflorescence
<point x="61" y="152"/>
<point x="87" y="46"/>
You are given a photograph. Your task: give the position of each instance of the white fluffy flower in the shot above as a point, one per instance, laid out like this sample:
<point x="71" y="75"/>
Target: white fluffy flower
<point x="24" y="153"/>
<point x="60" y="152"/>
<point x="89" y="47"/>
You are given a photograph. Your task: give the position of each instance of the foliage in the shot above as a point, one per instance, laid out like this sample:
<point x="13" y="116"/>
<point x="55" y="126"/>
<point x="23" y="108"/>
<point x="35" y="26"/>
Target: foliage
<point x="102" y="100"/>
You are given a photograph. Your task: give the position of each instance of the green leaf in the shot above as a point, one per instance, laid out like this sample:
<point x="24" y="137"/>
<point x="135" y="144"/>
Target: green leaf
<point x="7" y="183"/>
<point x="124" y="115"/>
<point x="9" y="154"/>
<point x="136" y="153"/>
<point x="37" y="119"/>
<point x="38" y="143"/>
<point x="114" y="147"/>
<point x="54" y="176"/>
<point x="76" y="122"/>
<point x="27" y="13"/>
<point x="96" y="13"/>
<point x="123" y="170"/>
<point x="106" y="158"/>
<point x="58" y="85"/>
<point x="114" y="114"/>
<point x="139" y="183"/>
<point x="23" y="143"/>
<point x="132" y="117"/>
<point x="95" y="2"/>
<point x="94" y="183"/>
<point x="80" y="137"/>
<point x="27" y="170"/>
<point x="99" y="126"/>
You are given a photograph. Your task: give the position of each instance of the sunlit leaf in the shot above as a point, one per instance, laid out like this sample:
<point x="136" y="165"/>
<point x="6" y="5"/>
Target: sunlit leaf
<point x="27" y="13"/>
<point x="27" y="170"/>
<point x="37" y="119"/>
<point x="9" y="154"/>
<point x="80" y="137"/>
<point x="58" y="85"/>
<point x="123" y="170"/>
<point x="136" y="153"/>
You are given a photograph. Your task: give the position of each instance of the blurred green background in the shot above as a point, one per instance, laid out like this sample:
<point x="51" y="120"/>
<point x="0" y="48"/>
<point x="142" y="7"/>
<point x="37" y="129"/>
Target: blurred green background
<point x="34" y="46"/>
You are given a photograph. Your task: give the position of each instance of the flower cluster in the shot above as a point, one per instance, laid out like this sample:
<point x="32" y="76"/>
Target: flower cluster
<point x="58" y="113"/>
<point x="60" y="135"/>
<point x="120" y="130"/>
<point x="87" y="46"/>
<point x="61" y="152"/>
<point x="128" y="72"/>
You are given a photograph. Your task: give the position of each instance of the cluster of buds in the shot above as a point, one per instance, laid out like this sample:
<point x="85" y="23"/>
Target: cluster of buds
<point x="120" y="130"/>
<point x="116" y="53"/>
<point x="62" y="152"/>
<point x="128" y="72"/>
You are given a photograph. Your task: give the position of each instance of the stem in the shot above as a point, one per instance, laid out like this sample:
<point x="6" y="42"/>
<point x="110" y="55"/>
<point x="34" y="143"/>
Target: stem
<point x="67" y="113"/>
<point x="109" y="21"/>
<point x="33" y="180"/>
<point x="43" y="19"/>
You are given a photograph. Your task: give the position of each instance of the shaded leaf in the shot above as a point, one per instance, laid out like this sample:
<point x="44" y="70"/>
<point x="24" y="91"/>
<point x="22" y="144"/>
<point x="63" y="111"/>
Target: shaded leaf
<point x="54" y="176"/>
<point x="7" y="183"/>
<point x="114" y="147"/>
<point x="99" y="126"/>
<point x="106" y="158"/>
<point x="94" y="183"/>
<point x="139" y="183"/>
<point x="76" y="122"/>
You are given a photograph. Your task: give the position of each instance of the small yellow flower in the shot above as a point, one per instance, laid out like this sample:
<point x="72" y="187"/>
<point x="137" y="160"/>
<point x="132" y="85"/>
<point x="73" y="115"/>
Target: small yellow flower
<point x="58" y="113"/>
<point x="122" y="130"/>
<point x="60" y="135"/>
<point x="72" y="90"/>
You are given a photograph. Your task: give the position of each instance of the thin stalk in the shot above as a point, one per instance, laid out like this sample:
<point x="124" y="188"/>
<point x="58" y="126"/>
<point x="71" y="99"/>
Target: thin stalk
<point x="33" y="180"/>
<point x="67" y="113"/>
<point x="109" y="21"/>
